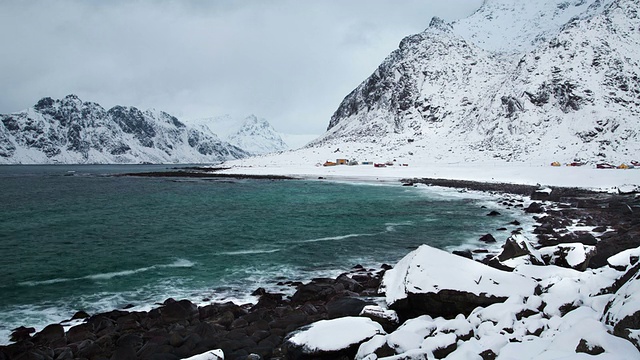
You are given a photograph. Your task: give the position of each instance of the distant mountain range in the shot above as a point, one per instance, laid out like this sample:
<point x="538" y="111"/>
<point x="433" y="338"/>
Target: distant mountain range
<point x="254" y="135"/>
<point x="73" y="131"/>
<point x="518" y="80"/>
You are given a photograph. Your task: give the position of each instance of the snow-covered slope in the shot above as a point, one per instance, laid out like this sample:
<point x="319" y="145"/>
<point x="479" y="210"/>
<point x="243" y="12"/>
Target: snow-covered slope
<point x="254" y="135"/>
<point x="257" y="136"/>
<point x="73" y="131"/>
<point x="520" y="81"/>
<point x="516" y="26"/>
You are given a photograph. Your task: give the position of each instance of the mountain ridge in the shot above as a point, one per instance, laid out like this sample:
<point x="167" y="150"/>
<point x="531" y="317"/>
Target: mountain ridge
<point x="570" y="92"/>
<point x="71" y="131"/>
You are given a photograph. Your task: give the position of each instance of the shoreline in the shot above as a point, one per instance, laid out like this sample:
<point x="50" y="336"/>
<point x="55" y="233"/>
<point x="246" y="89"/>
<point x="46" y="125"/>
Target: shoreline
<point x="360" y="281"/>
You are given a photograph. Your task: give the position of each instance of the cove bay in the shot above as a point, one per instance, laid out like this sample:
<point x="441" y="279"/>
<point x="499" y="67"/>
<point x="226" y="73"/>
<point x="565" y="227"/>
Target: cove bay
<point x="81" y="238"/>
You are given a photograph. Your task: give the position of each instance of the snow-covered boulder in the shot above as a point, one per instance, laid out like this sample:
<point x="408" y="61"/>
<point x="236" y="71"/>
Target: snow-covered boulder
<point x="385" y="317"/>
<point x="331" y="338"/>
<point x="209" y="355"/>
<point x="572" y="255"/>
<point x="577" y="335"/>
<point x="628" y="189"/>
<point x="624" y="259"/>
<point x="623" y="311"/>
<point x="542" y="193"/>
<point x="519" y="250"/>
<point x="423" y="337"/>
<point x="434" y="282"/>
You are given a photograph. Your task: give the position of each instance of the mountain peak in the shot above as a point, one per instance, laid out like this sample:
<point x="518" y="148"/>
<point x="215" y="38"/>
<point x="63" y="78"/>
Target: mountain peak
<point x="517" y="80"/>
<point x="440" y="24"/>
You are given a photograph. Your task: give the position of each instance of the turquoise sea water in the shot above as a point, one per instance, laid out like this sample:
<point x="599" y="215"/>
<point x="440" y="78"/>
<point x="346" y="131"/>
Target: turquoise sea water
<point x="75" y="238"/>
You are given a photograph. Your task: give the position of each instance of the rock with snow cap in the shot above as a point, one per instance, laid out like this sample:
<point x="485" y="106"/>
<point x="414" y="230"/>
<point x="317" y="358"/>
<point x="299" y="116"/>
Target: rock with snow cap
<point x="331" y="338"/>
<point x="623" y="310"/>
<point x="385" y="317"/>
<point x="624" y="259"/>
<point x="542" y="193"/>
<point x="209" y="355"/>
<point x="418" y="285"/>
<point x="519" y="247"/>
<point x="628" y="189"/>
<point x="573" y="255"/>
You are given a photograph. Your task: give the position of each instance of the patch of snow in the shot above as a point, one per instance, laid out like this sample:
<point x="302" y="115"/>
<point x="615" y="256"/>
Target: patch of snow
<point x="209" y="355"/>
<point x="336" y="334"/>
<point x="421" y="272"/>
<point x="625" y="258"/>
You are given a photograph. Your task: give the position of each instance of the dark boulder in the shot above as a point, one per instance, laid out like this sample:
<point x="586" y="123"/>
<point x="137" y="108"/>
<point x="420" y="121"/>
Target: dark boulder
<point x="314" y="291"/>
<point x="541" y="194"/>
<point x="517" y="246"/>
<point x="582" y="237"/>
<point x="534" y="208"/>
<point x="464" y="253"/>
<point x="22" y="333"/>
<point x="80" y="332"/>
<point x="487" y="238"/>
<point x="177" y="311"/>
<point x="585" y="347"/>
<point x="50" y="334"/>
<point x="346" y="306"/>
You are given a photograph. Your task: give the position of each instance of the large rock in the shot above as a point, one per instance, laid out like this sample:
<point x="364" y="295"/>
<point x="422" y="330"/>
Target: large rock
<point x="574" y="256"/>
<point x="517" y="249"/>
<point x="623" y="310"/>
<point x="434" y="282"/>
<point x="331" y="339"/>
<point x="176" y="311"/>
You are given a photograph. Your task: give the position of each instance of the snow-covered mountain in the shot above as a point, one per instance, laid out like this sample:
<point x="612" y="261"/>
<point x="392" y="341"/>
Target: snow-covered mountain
<point x="253" y="134"/>
<point x="72" y="131"/>
<point x="518" y="80"/>
<point x="257" y="136"/>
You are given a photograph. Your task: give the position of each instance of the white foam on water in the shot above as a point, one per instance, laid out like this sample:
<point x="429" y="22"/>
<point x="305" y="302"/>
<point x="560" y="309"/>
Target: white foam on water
<point x="333" y="238"/>
<point x="391" y="227"/>
<point x="249" y="252"/>
<point x="179" y="263"/>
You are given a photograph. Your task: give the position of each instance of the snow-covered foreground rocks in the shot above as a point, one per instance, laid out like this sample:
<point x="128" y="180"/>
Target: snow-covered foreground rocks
<point x="562" y="319"/>
<point x="433" y="281"/>
<point x="623" y="311"/>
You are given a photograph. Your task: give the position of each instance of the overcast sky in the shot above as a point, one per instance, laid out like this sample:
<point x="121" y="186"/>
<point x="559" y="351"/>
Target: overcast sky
<point x="289" y="61"/>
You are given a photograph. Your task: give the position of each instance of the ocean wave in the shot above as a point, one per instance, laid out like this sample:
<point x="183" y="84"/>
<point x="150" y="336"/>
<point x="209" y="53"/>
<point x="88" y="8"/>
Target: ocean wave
<point x="391" y="227"/>
<point x="179" y="263"/>
<point x="248" y="252"/>
<point x="333" y="238"/>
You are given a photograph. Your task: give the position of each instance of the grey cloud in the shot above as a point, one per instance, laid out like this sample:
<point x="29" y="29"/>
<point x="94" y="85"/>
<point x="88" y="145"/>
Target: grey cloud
<point x="289" y="61"/>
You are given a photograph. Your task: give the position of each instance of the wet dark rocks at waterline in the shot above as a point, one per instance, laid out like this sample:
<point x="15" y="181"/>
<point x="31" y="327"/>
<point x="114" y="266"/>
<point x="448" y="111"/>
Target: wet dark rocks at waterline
<point x="179" y="328"/>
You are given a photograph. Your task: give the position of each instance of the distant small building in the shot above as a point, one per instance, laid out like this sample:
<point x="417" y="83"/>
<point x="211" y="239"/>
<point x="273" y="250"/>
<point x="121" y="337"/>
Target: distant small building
<point x="342" y="161"/>
<point x="329" y="163"/>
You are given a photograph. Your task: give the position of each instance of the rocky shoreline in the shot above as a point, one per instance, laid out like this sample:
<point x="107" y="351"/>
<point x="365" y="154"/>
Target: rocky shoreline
<point x="204" y="173"/>
<point x="179" y="329"/>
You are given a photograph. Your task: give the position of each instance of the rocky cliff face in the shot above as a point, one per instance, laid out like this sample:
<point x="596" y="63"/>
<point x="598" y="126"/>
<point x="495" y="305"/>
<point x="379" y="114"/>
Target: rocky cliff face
<point x="518" y="81"/>
<point x="72" y="131"/>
